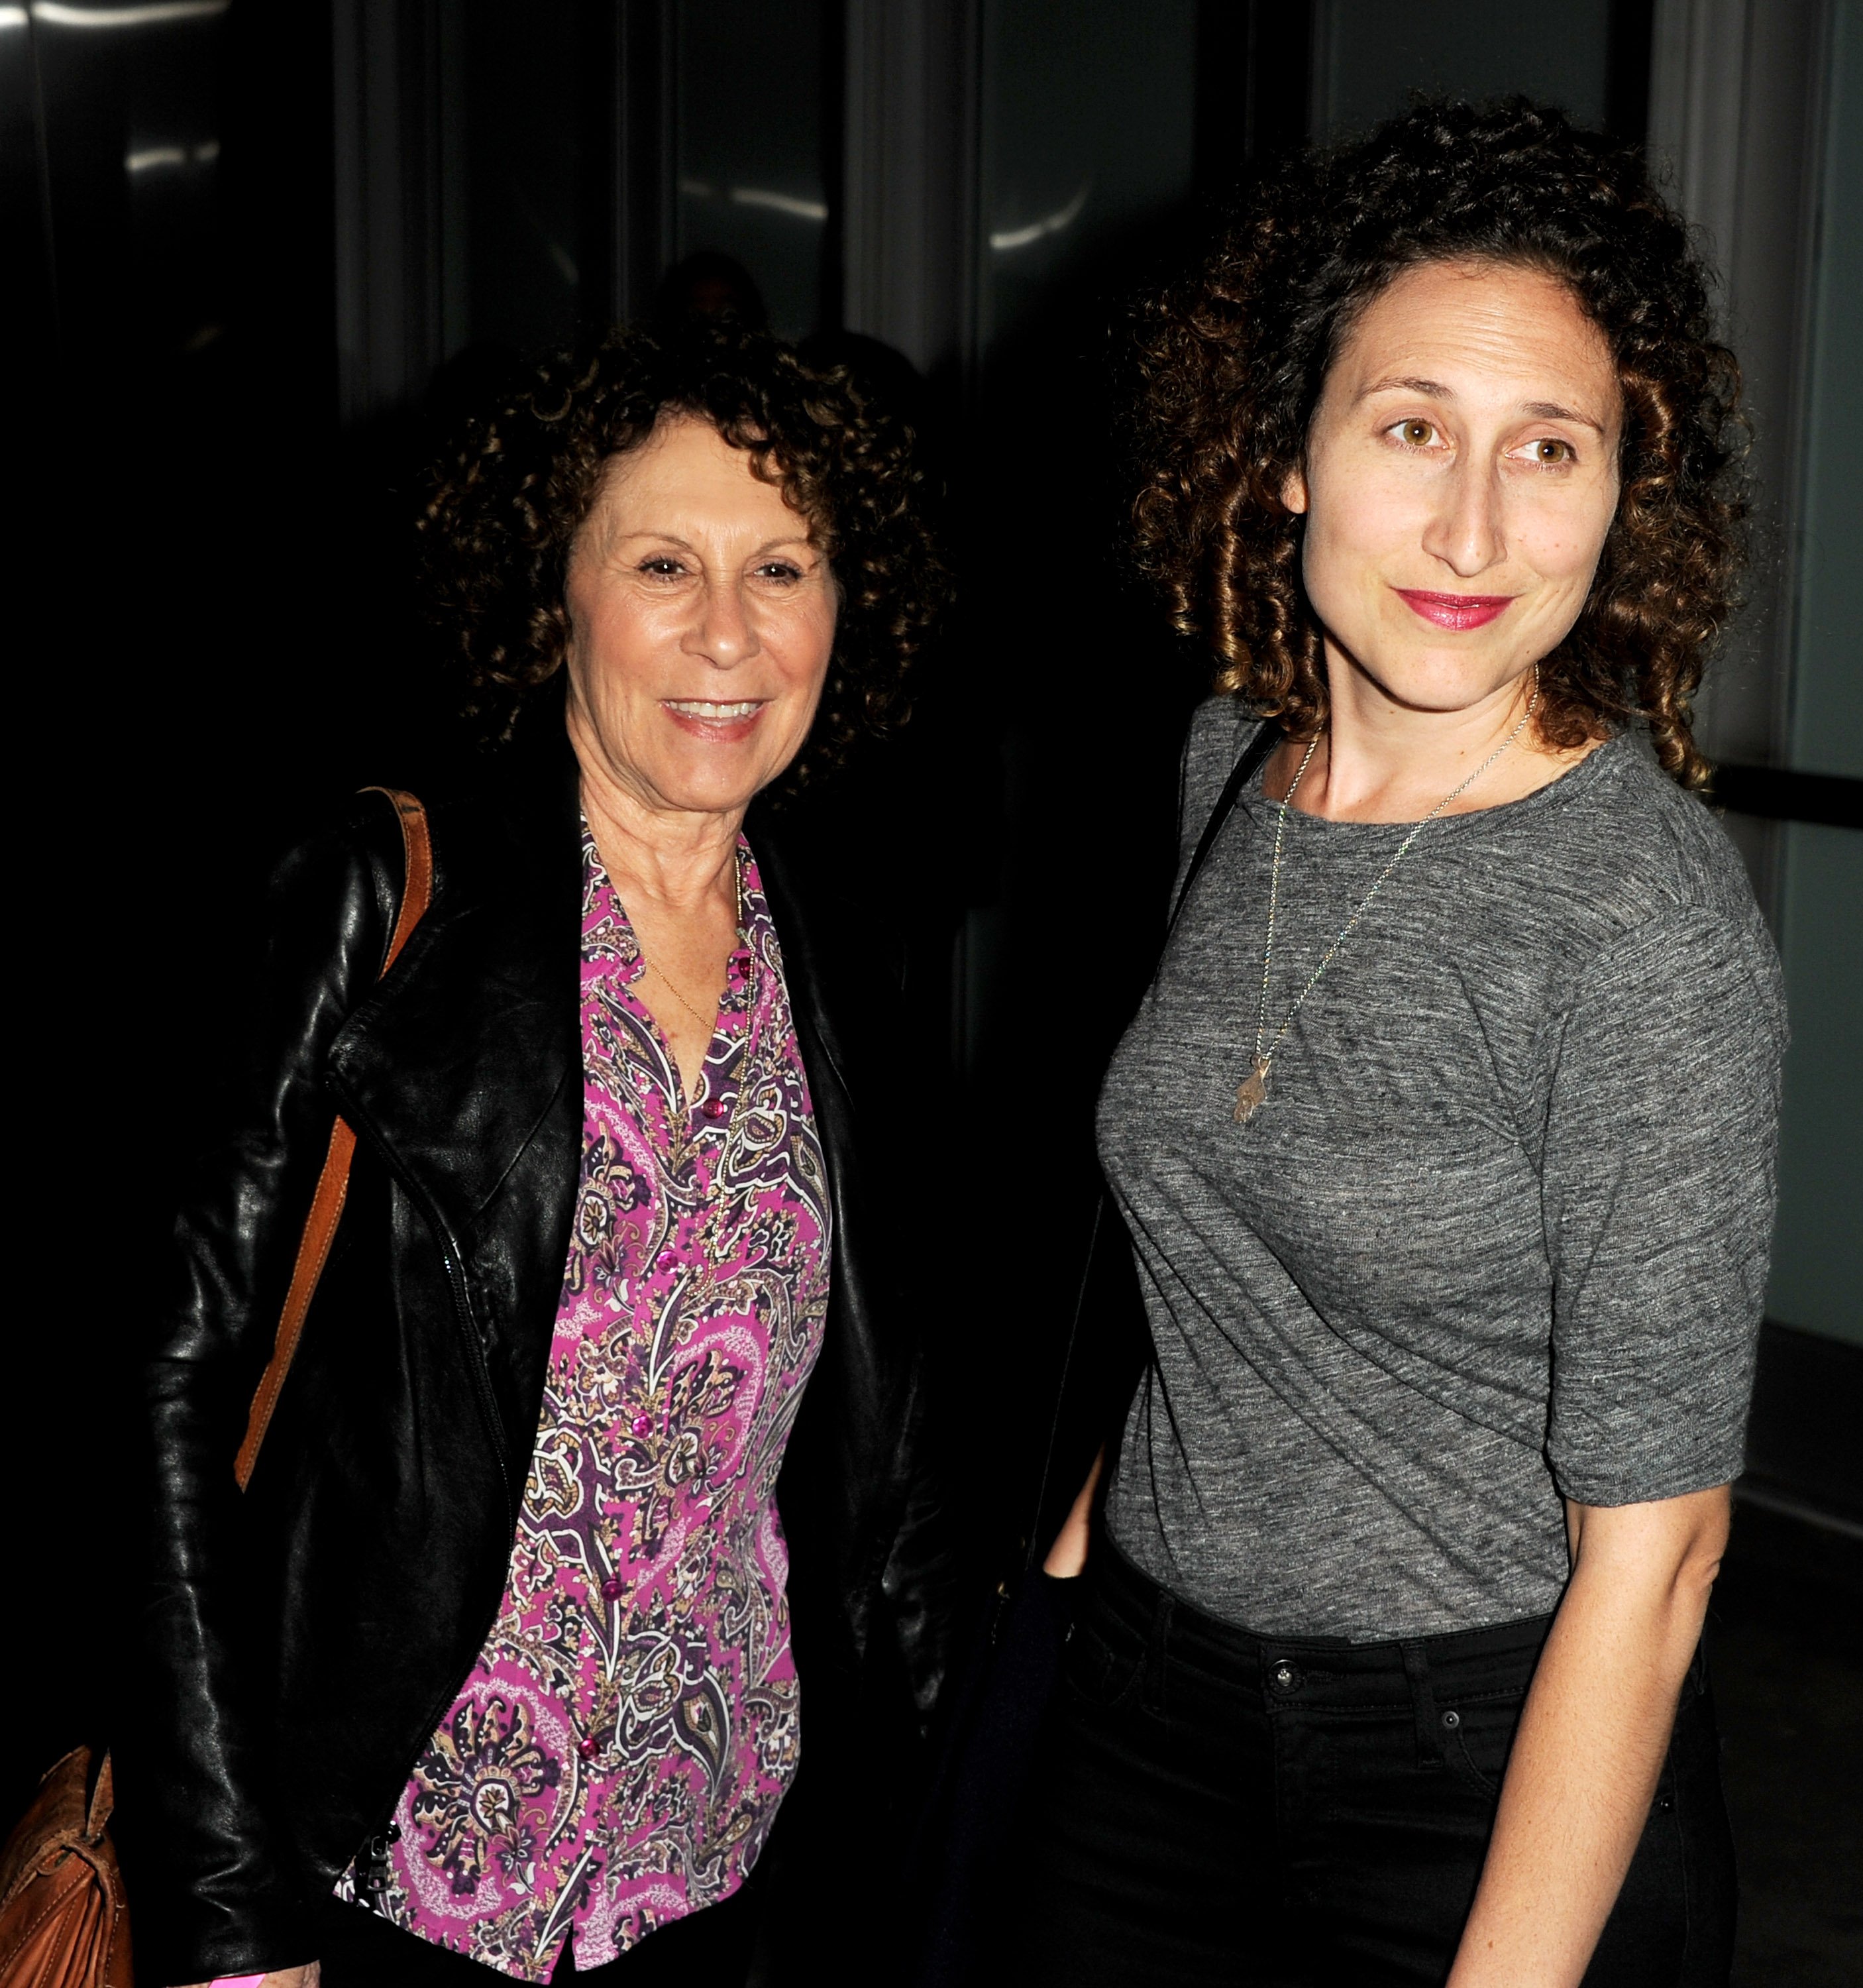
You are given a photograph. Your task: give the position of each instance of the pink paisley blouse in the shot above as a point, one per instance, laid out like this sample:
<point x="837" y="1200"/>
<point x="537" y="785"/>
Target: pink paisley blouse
<point x="616" y="1756"/>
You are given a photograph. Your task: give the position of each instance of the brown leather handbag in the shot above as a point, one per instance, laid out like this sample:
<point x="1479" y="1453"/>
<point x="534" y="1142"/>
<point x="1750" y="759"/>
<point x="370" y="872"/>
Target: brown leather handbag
<point x="64" y="1918"/>
<point x="64" y="1921"/>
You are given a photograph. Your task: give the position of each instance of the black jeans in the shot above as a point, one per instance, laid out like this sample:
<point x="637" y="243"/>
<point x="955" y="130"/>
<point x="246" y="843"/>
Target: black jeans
<point x="1209" y="1806"/>
<point x="711" y="1949"/>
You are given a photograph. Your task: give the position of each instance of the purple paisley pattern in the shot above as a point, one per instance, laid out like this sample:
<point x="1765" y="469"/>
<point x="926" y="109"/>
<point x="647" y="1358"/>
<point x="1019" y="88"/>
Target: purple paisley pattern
<point x="616" y="1757"/>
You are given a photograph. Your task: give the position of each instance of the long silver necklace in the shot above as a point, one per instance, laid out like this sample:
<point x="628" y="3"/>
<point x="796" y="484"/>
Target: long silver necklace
<point x="1253" y="1087"/>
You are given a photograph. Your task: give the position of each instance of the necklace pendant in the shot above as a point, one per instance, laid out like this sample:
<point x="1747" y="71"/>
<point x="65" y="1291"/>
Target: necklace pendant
<point x="1251" y="1091"/>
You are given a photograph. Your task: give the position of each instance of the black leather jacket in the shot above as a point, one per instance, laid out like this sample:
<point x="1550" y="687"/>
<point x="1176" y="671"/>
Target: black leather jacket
<point x="299" y="1643"/>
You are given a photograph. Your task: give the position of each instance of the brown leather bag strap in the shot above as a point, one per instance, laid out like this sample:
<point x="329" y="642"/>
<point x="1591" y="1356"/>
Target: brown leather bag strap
<point x="333" y="1181"/>
<point x="417" y="869"/>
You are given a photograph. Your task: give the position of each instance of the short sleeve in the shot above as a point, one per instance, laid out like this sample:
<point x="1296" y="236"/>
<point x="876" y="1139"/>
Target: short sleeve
<point x="1659" y="1176"/>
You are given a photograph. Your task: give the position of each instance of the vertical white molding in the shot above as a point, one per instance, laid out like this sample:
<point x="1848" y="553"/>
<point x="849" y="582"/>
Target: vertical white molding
<point x="1736" y="116"/>
<point x="1697" y="96"/>
<point x="645" y="144"/>
<point x="910" y="174"/>
<point x="390" y="334"/>
<point x="908" y="194"/>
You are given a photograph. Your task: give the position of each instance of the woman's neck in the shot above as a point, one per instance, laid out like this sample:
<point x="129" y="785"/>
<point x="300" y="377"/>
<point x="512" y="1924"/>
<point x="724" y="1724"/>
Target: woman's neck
<point x="676" y="859"/>
<point x="1380" y="760"/>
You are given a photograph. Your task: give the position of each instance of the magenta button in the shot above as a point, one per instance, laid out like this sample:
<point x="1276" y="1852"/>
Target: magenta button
<point x="611" y="1588"/>
<point x="642" y="1425"/>
<point x="714" y="1107"/>
<point x="588" y="1749"/>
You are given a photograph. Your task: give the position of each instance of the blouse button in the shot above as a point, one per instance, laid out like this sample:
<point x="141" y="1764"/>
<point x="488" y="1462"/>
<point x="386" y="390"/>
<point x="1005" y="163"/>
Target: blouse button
<point x="714" y="1107"/>
<point x="611" y="1588"/>
<point x="588" y="1749"/>
<point x="642" y="1425"/>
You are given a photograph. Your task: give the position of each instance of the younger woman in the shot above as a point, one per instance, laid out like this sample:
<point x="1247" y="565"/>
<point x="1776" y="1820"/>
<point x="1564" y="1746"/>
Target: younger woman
<point x="1445" y="1134"/>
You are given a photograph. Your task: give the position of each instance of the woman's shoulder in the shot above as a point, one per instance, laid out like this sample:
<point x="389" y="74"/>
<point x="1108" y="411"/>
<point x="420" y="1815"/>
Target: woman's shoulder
<point x="1647" y="846"/>
<point x="840" y="900"/>
<point x="346" y="857"/>
<point x="1220" y="728"/>
<point x="1654" y="868"/>
<point x="340" y="879"/>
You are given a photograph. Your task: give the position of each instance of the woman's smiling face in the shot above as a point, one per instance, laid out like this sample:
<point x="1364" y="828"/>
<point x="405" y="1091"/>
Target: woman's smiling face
<point x="702" y="619"/>
<point x="1460" y="477"/>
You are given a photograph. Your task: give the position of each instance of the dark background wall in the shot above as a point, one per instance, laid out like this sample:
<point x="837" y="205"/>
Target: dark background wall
<point x="262" y="259"/>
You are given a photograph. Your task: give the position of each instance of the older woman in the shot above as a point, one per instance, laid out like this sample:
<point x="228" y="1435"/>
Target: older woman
<point x="1445" y="1133"/>
<point x="589" y="1509"/>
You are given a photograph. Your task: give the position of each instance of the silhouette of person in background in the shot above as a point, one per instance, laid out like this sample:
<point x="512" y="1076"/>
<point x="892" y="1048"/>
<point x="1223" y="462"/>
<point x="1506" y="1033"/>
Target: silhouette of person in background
<point x="709" y="284"/>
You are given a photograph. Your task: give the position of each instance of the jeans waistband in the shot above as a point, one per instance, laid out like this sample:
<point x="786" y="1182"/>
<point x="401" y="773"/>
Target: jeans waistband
<point x="1312" y="1670"/>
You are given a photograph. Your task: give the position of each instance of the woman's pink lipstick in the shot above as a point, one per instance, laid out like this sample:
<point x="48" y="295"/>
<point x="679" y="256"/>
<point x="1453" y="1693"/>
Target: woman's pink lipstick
<point x="716" y="723"/>
<point x="1455" y="610"/>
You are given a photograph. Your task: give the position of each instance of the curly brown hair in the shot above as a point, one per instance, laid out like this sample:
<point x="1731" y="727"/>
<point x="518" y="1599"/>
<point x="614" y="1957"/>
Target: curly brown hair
<point x="503" y="511"/>
<point x="1232" y="361"/>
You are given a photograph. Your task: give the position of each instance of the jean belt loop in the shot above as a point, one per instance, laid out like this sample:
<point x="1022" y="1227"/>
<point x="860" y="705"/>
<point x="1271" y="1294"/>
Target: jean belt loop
<point x="1422" y="1705"/>
<point x="1157" y="1643"/>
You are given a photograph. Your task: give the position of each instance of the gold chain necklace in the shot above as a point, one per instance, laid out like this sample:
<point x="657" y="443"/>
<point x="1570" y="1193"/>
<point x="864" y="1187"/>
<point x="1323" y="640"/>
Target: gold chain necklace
<point x="1253" y="1087"/>
<point x="710" y="1231"/>
<point x="666" y="980"/>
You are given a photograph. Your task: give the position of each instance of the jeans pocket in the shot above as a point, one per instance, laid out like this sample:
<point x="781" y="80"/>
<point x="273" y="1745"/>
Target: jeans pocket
<point x="1477" y="1737"/>
<point x="1096" y="1672"/>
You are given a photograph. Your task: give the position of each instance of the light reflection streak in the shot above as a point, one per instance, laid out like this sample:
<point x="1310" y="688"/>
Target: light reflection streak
<point x="792" y="204"/>
<point x="151" y="156"/>
<point x="150" y="14"/>
<point x="780" y="203"/>
<point x="1004" y="238"/>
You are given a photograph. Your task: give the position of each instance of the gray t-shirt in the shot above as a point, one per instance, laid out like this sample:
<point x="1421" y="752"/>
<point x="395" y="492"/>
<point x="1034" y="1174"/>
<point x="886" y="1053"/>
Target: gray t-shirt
<point x="1499" y="1231"/>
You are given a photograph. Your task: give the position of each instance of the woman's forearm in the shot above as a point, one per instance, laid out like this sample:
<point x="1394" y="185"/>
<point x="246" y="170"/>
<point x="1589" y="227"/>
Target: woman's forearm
<point x="1591" y="1741"/>
<point x="1067" y="1555"/>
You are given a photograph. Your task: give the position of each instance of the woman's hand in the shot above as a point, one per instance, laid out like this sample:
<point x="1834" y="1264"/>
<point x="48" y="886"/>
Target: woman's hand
<point x="308" y="1976"/>
<point x="1592" y="1739"/>
<point x="1069" y="1554"/>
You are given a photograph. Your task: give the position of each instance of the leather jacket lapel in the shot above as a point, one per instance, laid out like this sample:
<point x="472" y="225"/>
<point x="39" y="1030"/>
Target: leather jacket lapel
<point x="839" y="1479"/>
<point x="454" y="1068"/>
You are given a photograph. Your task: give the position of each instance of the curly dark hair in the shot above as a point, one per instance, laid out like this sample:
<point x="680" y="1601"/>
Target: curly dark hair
<point x="503" y="509"/>
<point x="1232" y="361"/>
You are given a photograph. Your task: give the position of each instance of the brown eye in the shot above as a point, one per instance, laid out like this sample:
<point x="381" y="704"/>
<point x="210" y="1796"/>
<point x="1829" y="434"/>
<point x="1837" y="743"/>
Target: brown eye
<point x="1550" y="450"/>
<point x="1416" y="434"/>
